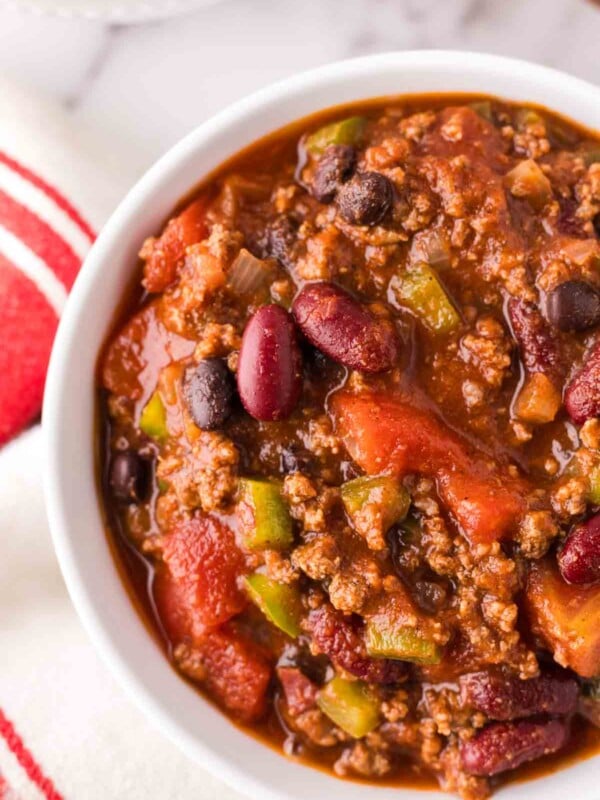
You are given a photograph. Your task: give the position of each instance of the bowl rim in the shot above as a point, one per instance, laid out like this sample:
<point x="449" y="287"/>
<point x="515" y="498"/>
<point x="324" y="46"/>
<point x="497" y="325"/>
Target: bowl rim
<point x="61" y="454"/>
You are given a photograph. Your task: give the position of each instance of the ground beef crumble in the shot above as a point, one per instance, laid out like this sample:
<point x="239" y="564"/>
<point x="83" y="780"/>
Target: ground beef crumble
<point x="203" y="474"/>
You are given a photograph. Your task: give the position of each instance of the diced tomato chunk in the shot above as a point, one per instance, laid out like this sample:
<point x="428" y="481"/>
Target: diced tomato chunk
<point x="136" y="355"/>
<point x="235" y="672"/>
<point x="196" y="584"/>
<point x="483" y="505"/>
<point x="392" y="436"/>
<point x="164" y="256"/>
<point x="566" y="617"/>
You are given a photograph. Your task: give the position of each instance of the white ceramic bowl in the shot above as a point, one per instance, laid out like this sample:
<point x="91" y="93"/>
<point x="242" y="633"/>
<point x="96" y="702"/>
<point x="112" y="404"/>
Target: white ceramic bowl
<point x="72" y="497"/>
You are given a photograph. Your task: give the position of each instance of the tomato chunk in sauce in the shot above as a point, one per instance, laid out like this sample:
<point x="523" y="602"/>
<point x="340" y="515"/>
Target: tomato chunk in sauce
<point x="198" y="576"/>
<point x="485" y="506"/>
<point x="351" y="441"/>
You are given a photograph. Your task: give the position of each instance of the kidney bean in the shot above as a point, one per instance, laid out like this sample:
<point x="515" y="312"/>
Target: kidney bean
<point x="506" y="697"/>
<point x="334" y="168"/>
<point x="208" y="392"/>
<point x="537" y="343"/>
<point x="343" y="329"/>
<point x="300" y="692"/>
<point x="502" y="746"/>
<point x="341" y="638"/>
<point x="579" y="559"/>
<point x="582" y="395"/>
<point x="366" y="199"/>
<point x="568" y="222"/>
<point x="129" y="476"/>
<point x="269" y="373"/>
<point x="573" y="306"/>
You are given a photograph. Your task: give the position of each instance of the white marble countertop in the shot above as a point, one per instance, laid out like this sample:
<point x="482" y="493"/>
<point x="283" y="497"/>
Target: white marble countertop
<point x="145" y="86"/>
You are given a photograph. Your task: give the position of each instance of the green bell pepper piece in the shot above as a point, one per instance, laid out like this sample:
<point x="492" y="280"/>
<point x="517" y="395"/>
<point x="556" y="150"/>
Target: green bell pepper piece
<point x="346" y="131"/>
<point x="484" y="109"/>
<point x="591" y="471"/>
<point x="153" y="420"/>
<point x="383" y="490"/>
<point x="525" y="117"/>
<point x="420" y="290"/>
<point x="594" y="492"/>
<point x="402" y="643"/>
<point x="265" y="519"/>
<point x="350" y="705"/>
<point x="279" y="602"/>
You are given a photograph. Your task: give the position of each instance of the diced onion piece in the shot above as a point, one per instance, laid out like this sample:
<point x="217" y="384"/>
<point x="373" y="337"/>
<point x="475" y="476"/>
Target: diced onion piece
<point x="432" y="247"/>
<point x="538" y="401"/>
<point x="528" y="181"/>
<point x="350" y="705"/>
<point x="346" y="131"/>
<point x="248" y="273"/>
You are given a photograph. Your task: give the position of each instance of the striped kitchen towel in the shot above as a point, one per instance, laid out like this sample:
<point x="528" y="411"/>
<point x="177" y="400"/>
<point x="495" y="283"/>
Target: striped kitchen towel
<point x="54" y="192"/>
<point x="66" y="731"/>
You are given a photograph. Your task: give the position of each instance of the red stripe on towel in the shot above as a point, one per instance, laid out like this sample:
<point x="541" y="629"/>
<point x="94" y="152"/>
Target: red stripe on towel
<point x="27" y="327"/>
<point x="51" y="192"/>
<point x="39" y="237"/>
<point x="25" y="758"/>
<point x="6" y="793"/>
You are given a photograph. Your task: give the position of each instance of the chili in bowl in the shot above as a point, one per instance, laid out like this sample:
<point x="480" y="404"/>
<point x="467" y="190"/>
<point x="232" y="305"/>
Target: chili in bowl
<point x="349" y="441"/>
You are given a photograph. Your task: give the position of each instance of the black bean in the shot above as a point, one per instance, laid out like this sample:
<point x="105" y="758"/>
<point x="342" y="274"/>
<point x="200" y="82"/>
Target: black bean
<point x="349" y="471"/>
<point x="397" y="540"/>
<point x="573" y="306"/>
<point x="596" y="224"/>
<point x="298" y="655"/>
<point x="129" y="476"/>
<point x="429" y="595"/>
<point x="334" y="168"/>
<point x="366" y="199"/>
<point x="294" y="459"/>
<point x="281" y="238"/>
<point x="208" y="392"/>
